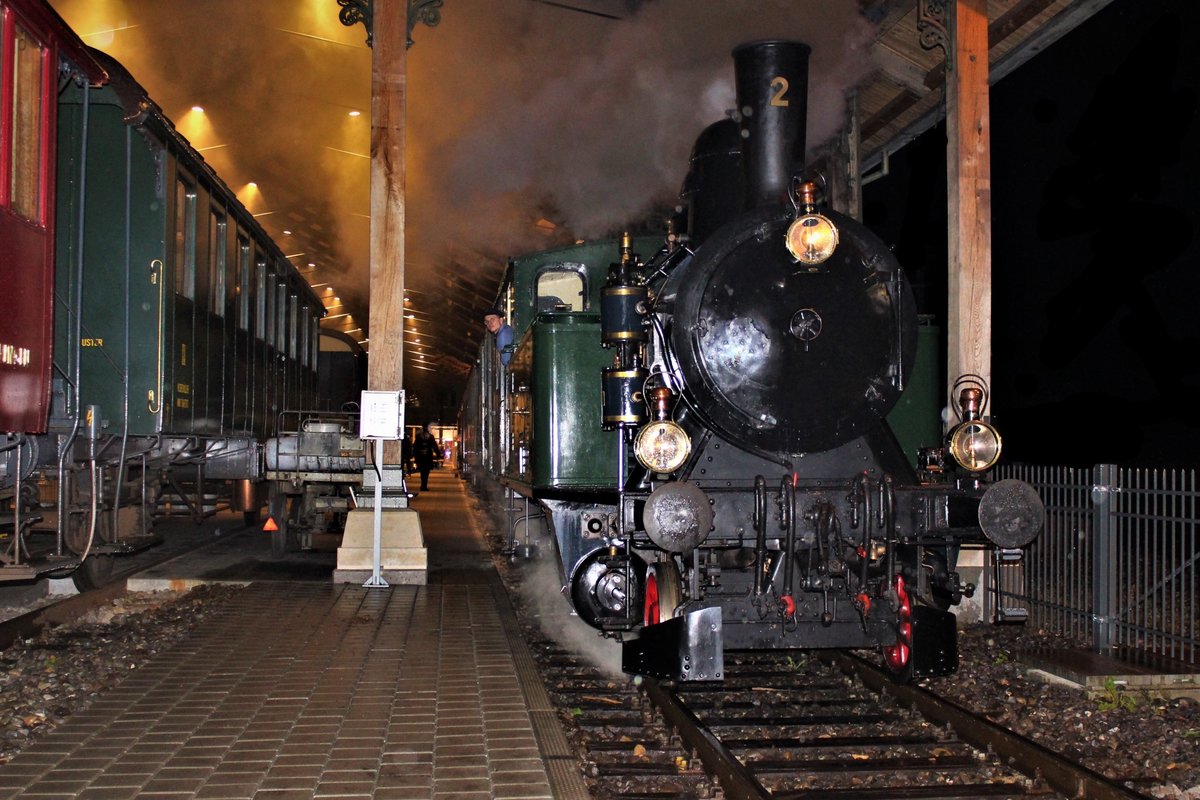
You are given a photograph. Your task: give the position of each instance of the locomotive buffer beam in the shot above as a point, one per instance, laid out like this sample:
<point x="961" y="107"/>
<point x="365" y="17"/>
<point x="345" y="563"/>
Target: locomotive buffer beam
<point x="686" y="648"/>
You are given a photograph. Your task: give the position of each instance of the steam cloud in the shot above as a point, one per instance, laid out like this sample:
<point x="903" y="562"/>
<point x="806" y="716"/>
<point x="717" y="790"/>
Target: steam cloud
<point x="517" y="110"/>
<point x="588" y="120"/>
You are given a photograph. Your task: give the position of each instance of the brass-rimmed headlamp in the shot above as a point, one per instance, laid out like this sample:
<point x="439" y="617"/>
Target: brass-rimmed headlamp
<point x="662" y="446"/>
<point x="974" y="444"/>
<point x="812" y="237"/>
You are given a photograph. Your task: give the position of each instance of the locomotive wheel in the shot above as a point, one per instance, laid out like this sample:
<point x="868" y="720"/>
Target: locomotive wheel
<point x="75" y="536"/>
<point x="95" y="572"/>
<point x="663" y="592"/>
<point x="898" y="657"/>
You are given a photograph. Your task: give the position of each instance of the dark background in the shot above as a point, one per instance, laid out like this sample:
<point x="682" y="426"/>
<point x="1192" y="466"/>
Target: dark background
<point x="1096" y="253"/>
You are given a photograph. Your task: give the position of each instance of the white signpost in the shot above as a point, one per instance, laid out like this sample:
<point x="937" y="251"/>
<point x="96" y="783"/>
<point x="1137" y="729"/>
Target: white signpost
<point x="381" y="418"/>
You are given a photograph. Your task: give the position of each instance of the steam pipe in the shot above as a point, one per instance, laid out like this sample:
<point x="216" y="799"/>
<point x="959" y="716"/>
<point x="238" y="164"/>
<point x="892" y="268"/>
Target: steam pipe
<point x="760" y="539"/>
<point x="788" y="497"/>
<point x="17" y="502"/>
<point x="864" y="485"/>
<point x="887" y="520"/>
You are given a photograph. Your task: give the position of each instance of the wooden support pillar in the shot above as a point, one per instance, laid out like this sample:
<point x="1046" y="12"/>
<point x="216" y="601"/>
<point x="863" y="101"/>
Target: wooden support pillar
<point x="841" y="165"/>
<point x="968" y="173"/>
<point x="391" y="545"/>
<point x="388" y="103"/>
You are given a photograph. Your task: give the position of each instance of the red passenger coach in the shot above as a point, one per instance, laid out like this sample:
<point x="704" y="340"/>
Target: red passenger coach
<point x="36" y="49"/>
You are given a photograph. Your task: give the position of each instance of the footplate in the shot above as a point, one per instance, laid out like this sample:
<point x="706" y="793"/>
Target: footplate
<point x="686" y="648"/>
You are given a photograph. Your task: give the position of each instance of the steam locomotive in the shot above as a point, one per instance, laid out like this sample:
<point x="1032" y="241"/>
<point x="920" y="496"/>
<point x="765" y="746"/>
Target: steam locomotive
<point x="709" y="431"/>
<point x="154" y="333"/>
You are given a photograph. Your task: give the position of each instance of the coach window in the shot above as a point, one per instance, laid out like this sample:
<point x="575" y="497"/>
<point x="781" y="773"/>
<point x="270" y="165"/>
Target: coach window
<point x="216" y="260"/>
<point x="271" y="312"/>
<point x="281" y="316"/>
<point x="260" y="304"/>
<point x="242" y="289"/>
<point x="185" y="239"/>
<point x="302" y="322"/>
<point x="25" y="146"/>
<point x="293" y="330"/>
<point x="561" y="289"/>
<point x="315" y="343"/>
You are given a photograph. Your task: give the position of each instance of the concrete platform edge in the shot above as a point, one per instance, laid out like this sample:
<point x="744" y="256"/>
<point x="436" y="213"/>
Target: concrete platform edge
<point x="408" y="577"/>
<point x="175" y="584"/>
<point x="562" y="765"/>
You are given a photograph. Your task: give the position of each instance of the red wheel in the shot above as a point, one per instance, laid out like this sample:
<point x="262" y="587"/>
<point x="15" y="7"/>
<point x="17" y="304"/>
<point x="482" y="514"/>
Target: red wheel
<point x="651" y="615"/>
<point x="898" y="656"/>
<point x="662" y="594"/>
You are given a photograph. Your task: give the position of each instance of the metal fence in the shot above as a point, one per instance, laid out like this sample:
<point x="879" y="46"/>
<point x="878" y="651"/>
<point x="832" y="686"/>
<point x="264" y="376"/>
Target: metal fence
<point x="1117" y="562"/>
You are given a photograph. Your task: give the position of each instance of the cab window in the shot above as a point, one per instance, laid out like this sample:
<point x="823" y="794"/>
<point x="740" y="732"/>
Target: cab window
<point x="560" y="289"/>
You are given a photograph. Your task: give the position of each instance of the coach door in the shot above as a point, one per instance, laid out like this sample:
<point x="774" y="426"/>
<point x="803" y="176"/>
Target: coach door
<point x="181" y="355"/>
<point x="26" y="227"/>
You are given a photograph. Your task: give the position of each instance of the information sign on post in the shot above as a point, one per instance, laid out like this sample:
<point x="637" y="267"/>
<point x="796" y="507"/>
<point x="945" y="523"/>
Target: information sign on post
<point x="381" y="417"/>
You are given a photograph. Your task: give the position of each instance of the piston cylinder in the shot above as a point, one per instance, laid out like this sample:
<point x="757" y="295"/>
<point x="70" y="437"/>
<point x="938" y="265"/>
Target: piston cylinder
<point x="623" y="401"/>
<point x="620" y="318"/>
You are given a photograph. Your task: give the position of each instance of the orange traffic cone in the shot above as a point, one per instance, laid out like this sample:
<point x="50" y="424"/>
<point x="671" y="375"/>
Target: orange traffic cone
<point x="270" y="526"/>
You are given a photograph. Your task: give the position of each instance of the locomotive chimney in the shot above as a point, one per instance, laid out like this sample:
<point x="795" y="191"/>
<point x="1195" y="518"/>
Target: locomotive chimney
<point x="772" y="112"/>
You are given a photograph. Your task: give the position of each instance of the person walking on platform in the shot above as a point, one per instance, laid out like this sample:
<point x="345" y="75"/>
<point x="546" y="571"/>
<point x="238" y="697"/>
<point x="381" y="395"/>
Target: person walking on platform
<point x="424" y="448"/>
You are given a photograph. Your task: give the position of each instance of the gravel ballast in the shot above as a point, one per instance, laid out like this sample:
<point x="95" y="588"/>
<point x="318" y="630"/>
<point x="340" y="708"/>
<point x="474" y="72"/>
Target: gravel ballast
<point x="62" y="670"/>
<point x="1125" y="735"/>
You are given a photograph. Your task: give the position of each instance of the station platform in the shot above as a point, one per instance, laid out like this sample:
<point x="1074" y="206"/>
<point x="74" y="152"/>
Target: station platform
<point x="300" y="687"/>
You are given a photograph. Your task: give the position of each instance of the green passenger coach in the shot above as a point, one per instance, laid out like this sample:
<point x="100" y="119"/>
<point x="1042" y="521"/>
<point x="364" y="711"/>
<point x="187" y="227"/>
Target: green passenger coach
<point x="180" y="333"/>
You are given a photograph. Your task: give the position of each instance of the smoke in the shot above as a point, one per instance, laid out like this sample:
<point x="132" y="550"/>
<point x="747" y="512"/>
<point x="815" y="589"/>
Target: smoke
<point x="590" y="119"/>
<point x="276" y="80"/>
<point x="517" y="111"/>
<point x="540" y="590"/>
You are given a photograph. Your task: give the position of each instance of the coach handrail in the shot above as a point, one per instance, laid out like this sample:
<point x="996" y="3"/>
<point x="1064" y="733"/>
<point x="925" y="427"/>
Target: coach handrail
<point x="160" y="279"/>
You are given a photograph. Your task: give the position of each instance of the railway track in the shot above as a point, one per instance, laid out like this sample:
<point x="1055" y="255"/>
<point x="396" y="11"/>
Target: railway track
<point x="831" y="727"/>
<point x="188" y="539"/>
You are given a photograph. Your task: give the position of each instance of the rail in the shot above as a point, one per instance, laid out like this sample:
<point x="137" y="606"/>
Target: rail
<point x="1027" y="756"/>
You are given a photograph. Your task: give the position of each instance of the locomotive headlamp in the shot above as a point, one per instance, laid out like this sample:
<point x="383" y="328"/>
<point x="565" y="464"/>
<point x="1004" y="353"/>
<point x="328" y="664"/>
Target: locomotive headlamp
<point x="662" y="446"/>
<point x="812" y="237"/>
<point x="975" y="445"/>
